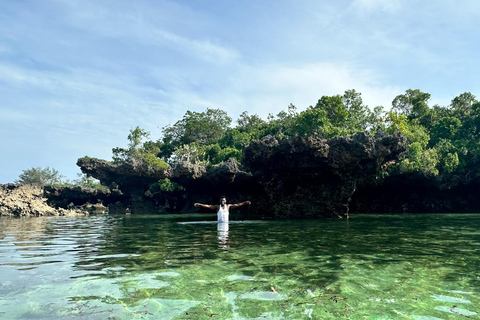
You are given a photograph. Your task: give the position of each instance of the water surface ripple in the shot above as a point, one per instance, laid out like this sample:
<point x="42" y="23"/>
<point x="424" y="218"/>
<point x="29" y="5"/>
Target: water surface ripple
<point x="422" y="267"/>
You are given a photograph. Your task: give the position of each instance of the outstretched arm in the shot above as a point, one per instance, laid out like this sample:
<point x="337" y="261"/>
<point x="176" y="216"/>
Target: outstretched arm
<point x="208" y="206"/>
<point x="236" y="205"/>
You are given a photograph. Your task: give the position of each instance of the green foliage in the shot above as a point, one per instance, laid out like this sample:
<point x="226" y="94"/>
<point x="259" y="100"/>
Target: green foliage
<point x="137" y="152"/>
<point x="338" y="116"/>
<point x="166" y="185"/>
<point x="376" y="120"/>
<point x="238" y="139"/>
<point x="135" y="138"/>
<point x="416" y="133"/>
<point x="86" y="181"/>
<point x="227" y="153"/>
<point x="412" y="104"/>
<point x="313" y="120"/>
<point x="420" y="159"/>
<point x="359" y="117"/>
<point x="441" y="139"/>
<point x="334" y="110"/>
<point x="445" y="128"/>
<point x="463" y="105"/>
<point x="201" y="127"/>
<point x="152" y="160"/>
<point x="252" y="124"/>
<point x="284" y="124"/>
<point x="40" y="177"/>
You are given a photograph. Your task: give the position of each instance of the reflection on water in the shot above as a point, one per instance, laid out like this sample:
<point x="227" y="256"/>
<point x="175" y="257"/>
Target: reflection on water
<point x="222" y="228"/>
<point x="183" y="267"/>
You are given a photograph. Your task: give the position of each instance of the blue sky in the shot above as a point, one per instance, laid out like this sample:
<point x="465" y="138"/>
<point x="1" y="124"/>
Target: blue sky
<point x="76" y="76"/>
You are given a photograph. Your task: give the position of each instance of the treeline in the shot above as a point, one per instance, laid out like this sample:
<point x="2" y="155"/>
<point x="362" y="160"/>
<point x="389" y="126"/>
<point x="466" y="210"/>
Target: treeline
<point x="441" y="139"/>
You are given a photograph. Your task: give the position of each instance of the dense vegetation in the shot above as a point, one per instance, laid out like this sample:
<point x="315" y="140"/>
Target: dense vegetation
<point x="442" y="140"/>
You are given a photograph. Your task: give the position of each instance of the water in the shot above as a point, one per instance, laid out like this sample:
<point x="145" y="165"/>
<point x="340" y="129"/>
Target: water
<point x="422" y="267"/>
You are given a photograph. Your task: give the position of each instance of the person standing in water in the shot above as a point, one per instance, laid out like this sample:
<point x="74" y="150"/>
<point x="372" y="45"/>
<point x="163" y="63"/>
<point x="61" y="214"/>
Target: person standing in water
<point x="222" y="208"/>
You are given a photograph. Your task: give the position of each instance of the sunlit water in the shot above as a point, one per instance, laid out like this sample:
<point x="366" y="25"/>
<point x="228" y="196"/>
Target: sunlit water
<point x="421" y="267"/>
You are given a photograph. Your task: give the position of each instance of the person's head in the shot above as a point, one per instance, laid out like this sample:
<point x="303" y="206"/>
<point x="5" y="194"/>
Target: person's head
<point x="223" y="200"/>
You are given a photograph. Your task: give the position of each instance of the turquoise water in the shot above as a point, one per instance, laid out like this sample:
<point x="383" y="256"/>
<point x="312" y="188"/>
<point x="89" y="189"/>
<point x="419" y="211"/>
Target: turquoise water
<point x="422" y="267"/>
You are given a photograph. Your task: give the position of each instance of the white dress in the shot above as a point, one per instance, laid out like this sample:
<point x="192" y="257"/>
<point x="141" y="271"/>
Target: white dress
<point x="222" y="214"/>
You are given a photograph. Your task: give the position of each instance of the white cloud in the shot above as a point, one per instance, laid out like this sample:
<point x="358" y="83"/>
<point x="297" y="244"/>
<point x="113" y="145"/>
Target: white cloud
<point x="389" y="6"/>
<point x="199" y="48"/>
<point x="77" y="75"/>
<point x="149" y="26"/>
<point x="273" y="87"/>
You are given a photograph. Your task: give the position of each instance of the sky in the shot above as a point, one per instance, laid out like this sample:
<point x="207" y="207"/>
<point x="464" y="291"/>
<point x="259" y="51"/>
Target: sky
<point x="77" y="75"/>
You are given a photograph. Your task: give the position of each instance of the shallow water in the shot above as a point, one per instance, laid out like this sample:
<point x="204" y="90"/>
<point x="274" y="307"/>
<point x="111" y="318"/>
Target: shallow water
<point x="422" y="267"/>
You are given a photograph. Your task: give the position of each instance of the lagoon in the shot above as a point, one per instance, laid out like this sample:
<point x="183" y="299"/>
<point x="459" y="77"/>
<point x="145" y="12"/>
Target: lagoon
<point x="422" y="267"/>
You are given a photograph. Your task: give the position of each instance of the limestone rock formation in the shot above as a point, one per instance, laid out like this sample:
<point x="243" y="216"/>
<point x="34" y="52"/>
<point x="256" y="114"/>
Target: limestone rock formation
<point x="297" y="177"/>
<point x="125" y="174"/>
<point x="95" y="200"/>
<point x="311" y="177"/>
<point x="25" y="200"/>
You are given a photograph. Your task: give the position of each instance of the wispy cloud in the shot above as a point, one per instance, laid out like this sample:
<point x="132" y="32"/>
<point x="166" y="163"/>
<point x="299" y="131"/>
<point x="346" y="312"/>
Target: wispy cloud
<point x="150" y="29"/>
<point x="76" y="75"/>
<point x="270" y="88"/>
<point x="202" y="49"/>
<point x="388" y="6"/>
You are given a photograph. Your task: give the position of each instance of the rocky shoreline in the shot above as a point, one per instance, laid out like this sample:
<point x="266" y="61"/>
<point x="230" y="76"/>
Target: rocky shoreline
<point x="284" y="178"/>
<point x="302" y="177"/>
<point x="24" y="200"/>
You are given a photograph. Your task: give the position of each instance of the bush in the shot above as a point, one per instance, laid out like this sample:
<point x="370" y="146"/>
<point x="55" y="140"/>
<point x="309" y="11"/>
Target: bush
<point x="40" y="177"/>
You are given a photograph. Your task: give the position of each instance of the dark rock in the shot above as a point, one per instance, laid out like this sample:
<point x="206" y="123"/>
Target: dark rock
<point x="312" y="177"/>
<point x="297" y="177"/>
<point x="417" y="193"/>
<point x="126" y="175"/>
<point x="65" y="197"/>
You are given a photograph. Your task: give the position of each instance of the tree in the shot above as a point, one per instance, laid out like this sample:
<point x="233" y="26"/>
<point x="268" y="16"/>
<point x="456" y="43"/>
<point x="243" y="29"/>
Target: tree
<point x="334" y="108"/>
<point x="310" y="121"/>
<point x="202" y="127"/>
<point x="40" y="177"/>
<point x="139" y="152"/>
<point x="462" y="104"/>
<point x="445" y="128"/>
<point x="135" y="138"/>
<point x="412" y="104"/>
<point x="250" y="123"/>
<point x="86" y="181"/>
<point x="238" y="139"/>
<point x="283" y="124"/>
<point x="359" y="117"/>
<point x="376" y="120"/>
